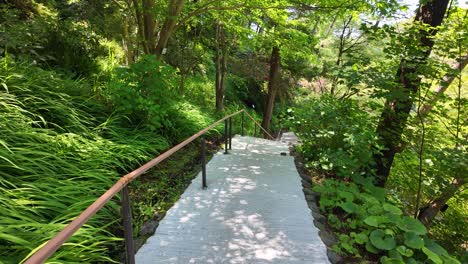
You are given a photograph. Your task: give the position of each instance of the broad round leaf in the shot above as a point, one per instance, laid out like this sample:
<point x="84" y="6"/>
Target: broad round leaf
<point x="370" y="248"/>
<point x="410" y="224"/>
<point x="413" y="241"/>
<point x="376" y="220"/>
<point x="381" y="240"/>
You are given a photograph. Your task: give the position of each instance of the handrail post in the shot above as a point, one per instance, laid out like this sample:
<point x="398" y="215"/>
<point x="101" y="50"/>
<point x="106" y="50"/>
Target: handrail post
<point x="127" y="225"/>
<point x="230" y="133"/>
<point x="255" y="130"/>
<point x="225" y="136"/>
<point x="242" y="124"/>
<point x="203" y="160"/>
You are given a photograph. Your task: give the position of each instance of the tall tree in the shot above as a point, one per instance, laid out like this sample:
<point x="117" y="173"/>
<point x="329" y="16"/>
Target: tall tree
<point x="399" y="103"/>
<point x="274" y="76"/>
<point x="220" y="65"/>
<point x="173" y="13"/>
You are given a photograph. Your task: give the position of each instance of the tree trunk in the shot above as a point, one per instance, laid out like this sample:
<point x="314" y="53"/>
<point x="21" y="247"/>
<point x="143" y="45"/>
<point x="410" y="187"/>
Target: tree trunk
<point x="427" y="214"/>
<point x="149" y="25"/>
<point x="127" y="41"/>
<point x="446" y="81"/>
<point x="397" y="108"/>
<point x="175" y="8"/>
<point x="330" y="28"/>
<point x="275" y="63"/>
<point x="140" y="24"/>
<point x="220" y="65"/>
<point x="341" y="51"/>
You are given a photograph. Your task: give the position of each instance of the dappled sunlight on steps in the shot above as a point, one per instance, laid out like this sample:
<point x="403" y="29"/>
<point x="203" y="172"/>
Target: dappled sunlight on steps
<point x="253" y="211"/>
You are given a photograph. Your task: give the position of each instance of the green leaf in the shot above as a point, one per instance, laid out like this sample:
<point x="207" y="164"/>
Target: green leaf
<point x="412" y="240"/>
<point x="387" y="260"/>
<point x="14" y="239"/>
<point x="394" y="254"/>
<point x="392" y="209"/>
<point x="349" y="207"/>
<point x="393" y="218"/>
<point x="370" y="248"/>
<point x="410" y="224"/>
<point x="434" y="247"/>
<point x="361" y="238"/>
<point x="376" y="220"/>
<point x="349" y="197"/>
<point x="375" y="209"/>
<point x="450" y="260"/>
<point x="381" y="240"/>
<point x="432" y="256"/>
<point x="405" y="251"/>
<point x="412" y="261"/>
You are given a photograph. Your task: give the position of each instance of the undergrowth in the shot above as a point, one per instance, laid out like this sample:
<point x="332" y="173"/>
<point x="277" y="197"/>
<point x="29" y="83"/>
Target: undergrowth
<point x="60" y="149"/>
<point x="338" y="139"/>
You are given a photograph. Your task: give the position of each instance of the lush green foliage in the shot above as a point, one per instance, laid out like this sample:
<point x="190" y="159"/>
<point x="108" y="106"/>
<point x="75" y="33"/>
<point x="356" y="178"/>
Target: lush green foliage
<point x="337" y="138"/>
<point x="61" y="149"/>
<point x="89" y="89"/>
<point x="146" y="93"/>
<point x="337" y="135"/>
<point x="57" y="159"/>
<point x="371" y="223"/>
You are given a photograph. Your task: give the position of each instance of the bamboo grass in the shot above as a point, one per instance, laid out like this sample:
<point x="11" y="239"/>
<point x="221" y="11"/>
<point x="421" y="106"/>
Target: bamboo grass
<point x="55" y="159"/>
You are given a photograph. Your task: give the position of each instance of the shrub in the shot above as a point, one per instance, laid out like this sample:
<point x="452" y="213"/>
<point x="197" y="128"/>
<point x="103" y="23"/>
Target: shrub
<point x="147" y="94"/>
<point x="337" y="136"/>
<point x="144" y="92"/>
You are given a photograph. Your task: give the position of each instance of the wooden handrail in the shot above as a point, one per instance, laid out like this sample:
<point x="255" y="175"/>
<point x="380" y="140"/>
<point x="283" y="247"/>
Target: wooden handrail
<point x="266" y="132"/>
<point x="49" y="248"/>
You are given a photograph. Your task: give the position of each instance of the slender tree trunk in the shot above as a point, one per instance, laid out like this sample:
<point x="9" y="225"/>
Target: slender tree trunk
<point x="218" y="92"/>
<point x="220" y="65"/>
<point x="175" y="8"/>
<point x="314" y="30"/>
<point x="330" y="28"/>
<point x="140" y="24"/>
<point x="222" y="83"/>
<point x="446" y="81"/>
<point x="275" y="64"/>
<point x="128" y="40"/>
<point x="341" y="50"/>
<point x="427" y="214"/>
<point x="149" y="25"/>
<point x="397" y="108"/>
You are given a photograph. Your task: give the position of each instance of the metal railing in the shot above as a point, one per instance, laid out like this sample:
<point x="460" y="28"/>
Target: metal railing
<point x="56" y="242"/>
